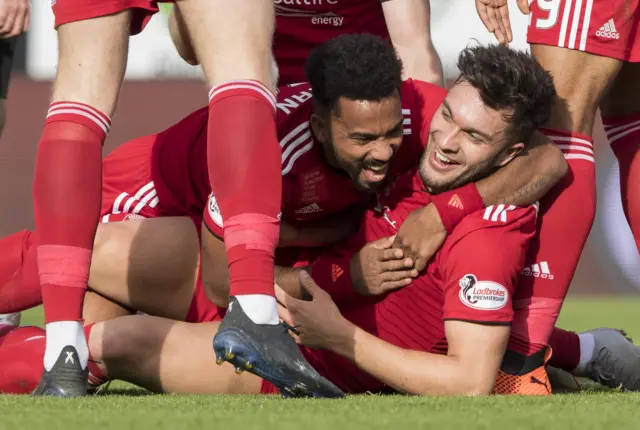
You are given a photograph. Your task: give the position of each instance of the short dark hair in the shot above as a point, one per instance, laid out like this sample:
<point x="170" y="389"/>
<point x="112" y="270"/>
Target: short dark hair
<point x="354" y="66"/>
<point x="512" y="82"/>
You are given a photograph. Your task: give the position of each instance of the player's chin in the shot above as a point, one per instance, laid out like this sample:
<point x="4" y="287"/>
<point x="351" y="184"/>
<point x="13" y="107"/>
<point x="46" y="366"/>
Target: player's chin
<point x="437" y="183"/>
<point x="370" y="187"/>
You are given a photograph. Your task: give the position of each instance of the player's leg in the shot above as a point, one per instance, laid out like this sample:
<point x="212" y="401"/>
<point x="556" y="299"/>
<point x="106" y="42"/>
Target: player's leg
<point x="67" y="184"/>
<point x="620" y="111"/>
<point x="149" y="265"/>
<point x="232" y="41"/>
<point x="604" y="355"/>
<point x="22" y="349"/>
<point x="567" y="213"/>
<point x="150" y="352"/>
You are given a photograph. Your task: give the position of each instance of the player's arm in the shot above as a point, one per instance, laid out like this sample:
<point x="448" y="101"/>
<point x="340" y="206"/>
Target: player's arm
<point x="528" y="177"/>
<point x="180" y="37"/>
<point x="409" y="28"/>
<point x="525" y="180"/>
<point x="469" y="368"/>
<point x="479" y="270"/>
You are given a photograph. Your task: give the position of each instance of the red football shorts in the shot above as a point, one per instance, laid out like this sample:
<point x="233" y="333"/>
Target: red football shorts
<point x="66" y="11"/>
<point x="602" y="27"/>
<point x="127" y="189"/>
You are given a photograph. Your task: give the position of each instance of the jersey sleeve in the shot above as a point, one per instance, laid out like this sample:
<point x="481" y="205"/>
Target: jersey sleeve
<point x="331" y="270"/>
<point x="481" y="262"/>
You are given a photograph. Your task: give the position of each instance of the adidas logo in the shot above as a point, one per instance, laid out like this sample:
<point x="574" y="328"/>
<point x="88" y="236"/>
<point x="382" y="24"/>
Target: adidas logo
<point x="456" y="202"/>
<point x="608" y="30"/>
<point x="538" y="270"/>
<point x="310" y="209"/>
<point x="336" y="272"/>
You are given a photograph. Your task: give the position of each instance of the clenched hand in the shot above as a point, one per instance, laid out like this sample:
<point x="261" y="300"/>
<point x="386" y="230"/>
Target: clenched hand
<point x="379" y="267"/>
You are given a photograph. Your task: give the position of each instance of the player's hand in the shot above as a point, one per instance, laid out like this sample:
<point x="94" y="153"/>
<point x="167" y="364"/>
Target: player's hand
<point x="379" y="267"/>
<point x="14" y="17"/>
<point x="495" y="17"/>
<point x="318" y="323"/>
<point x="421" y="235"/>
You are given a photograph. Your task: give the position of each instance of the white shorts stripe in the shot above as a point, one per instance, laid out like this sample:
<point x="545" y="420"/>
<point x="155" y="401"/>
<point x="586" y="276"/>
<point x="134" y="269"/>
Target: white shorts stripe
<point x="153" y="203"/>
<point x="565" y="21"/>
<point x="406" y="111"/>
<point x="144" y="201"/>
<point x="116" y="203"/>
<point x="575" y="24"/>
<point x="406" y="131"/>
<point x="105" y="218"/>
<point x="148" y="186"/>
<point x="585" y="25"/>
<point x="406" y="121"/>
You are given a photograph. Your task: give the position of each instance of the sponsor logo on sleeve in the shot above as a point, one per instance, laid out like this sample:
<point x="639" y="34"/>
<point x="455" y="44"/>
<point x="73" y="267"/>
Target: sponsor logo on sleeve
<point x="482" y="295"/>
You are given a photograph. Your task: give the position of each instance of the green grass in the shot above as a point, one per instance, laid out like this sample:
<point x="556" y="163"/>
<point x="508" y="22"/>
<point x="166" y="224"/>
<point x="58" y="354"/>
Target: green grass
<point x="127" y="408"/>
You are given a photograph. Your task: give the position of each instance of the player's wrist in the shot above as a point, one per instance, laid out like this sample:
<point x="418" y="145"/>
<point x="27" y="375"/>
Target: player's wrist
<point x="343" y="340"/>
<point x="453" y="206"/>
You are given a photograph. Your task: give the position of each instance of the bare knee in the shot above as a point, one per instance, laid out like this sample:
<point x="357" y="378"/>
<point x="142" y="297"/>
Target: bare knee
<point x="127" y="348"/>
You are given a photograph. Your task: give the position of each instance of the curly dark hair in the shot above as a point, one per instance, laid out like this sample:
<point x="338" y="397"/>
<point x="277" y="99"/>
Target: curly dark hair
<point x="512" y="82"/>
<point x="355" y="66"/>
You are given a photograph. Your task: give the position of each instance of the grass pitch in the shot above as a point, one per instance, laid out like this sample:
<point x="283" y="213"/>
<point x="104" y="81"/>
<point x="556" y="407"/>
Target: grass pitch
<point x="125" y="407"/>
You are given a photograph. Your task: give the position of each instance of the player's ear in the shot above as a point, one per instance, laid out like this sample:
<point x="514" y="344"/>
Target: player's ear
<point x="509" y="154"/>
<point x="319" y="128"/>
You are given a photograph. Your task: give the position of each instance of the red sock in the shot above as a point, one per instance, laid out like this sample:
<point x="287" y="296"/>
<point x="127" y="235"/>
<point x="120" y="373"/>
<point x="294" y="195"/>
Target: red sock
<point x="246" y="176"/>
<point x="67" y="192"/>
<point x="19" y="282"/>
<point x="21" y="353"/>
<point x="566" y="349"/>
<point x="624" y="137"/>
<point x="564" y="221"/>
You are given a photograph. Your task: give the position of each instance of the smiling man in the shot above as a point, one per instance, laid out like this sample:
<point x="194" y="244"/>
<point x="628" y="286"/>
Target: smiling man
<point x="338" y="144"/>
<point x="452" y="323"/>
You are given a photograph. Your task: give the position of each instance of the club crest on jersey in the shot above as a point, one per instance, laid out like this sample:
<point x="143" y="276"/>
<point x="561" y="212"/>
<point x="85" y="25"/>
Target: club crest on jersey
<point x="214" y="210"/>
<point x="482" y="295"/>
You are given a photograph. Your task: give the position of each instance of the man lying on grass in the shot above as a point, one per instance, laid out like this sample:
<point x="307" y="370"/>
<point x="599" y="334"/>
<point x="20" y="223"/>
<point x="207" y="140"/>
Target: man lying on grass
<point x="447" y="332"/>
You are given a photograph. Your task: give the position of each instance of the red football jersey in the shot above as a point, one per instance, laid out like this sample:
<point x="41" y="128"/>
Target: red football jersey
<point x="301" y="25"/>
<point x="311" y="189"/>
<point x="471" y="278"/>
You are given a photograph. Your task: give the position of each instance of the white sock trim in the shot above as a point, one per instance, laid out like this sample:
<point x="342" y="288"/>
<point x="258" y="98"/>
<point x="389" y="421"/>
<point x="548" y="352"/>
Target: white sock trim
<point x="260" y="308"/>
